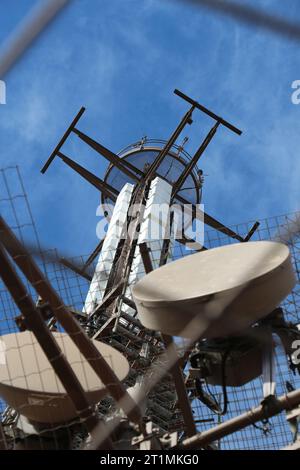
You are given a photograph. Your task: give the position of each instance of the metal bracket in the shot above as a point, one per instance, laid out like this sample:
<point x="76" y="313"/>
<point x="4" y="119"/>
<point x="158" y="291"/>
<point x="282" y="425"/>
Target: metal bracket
<point x="62" y="140"/>
<point x="207" y="111"/>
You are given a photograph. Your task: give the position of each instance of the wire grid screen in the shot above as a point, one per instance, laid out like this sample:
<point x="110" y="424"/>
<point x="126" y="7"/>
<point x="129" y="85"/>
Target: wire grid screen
<point x="14" y="208"/>
<point x="22" y="360"/>
<point x="132" y="340"/>
<point x="275" y="433"/>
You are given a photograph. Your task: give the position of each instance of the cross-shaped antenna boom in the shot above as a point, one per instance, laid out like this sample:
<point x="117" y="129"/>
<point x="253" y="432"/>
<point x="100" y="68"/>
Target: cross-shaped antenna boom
<point x="208" y="112"/>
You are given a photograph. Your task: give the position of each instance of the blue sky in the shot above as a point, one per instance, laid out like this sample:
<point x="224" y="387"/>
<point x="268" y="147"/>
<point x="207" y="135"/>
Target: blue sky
<point x="122" y="59"/>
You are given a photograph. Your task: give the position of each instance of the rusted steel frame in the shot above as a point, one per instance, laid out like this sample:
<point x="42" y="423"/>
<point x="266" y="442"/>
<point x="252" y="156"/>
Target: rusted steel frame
<point x="208" y="112"/>
<point x="165" y="150"/>
<point x="125" y="260"/>
<point x="176" y="371"/>
<point x="34" y="275"/>
<point x="126" y="247"/>
<point x="115" y="160"/>
<point x="193" y="162"/>
<point x="62" y="140"/>
<point x="285" y="402"/>
<point x="209" y="220"/>
<point x="105" y="329"/>
<point x="108" y="299"/>
<point x="105" y="188"/>
<point x="46" y="340"/>
<point x="122" y="262"/>
<point x="75" y="268"/>
<point x="123" y="165"/>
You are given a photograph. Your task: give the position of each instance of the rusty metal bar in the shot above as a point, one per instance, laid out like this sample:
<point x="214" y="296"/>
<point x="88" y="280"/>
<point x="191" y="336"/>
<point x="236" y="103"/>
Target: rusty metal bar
<point x="251" y="231"/>
<point x="127" y="168"/>
<point x="34" y="275"/>
<point x="75" y="268"/>
<point x="123" y="165"/>
<point x="123" y="260"/>
<point x="109" y="298"/>
<point x="128" y="242"/>
<point x="285" y="402"/>
<point x="47" y="342"/>
<point x="105" y="188"/>
<point x="144" y="250"/>
<point x="94" y="254"/>
<point x="105" y="329"/>
<point x="176" y="371"/>
<point x="193" y="162"/>
<point x="208" y="112"/>
<point x="62" y="140"/>
<point x="209" y="220"/>
<point x="187" y="119"/>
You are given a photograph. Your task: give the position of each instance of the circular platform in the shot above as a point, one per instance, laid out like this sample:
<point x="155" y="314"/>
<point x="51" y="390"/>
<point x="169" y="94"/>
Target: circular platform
<point x="170" y="169"/>
<point x="226" y="289"/>
<point x="29" y="384"/>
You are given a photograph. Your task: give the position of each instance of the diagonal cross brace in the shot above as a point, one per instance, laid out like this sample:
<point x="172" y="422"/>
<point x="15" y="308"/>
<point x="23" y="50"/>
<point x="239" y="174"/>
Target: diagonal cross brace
<point x="105" y="188"/>
<point x="123" y="165"/>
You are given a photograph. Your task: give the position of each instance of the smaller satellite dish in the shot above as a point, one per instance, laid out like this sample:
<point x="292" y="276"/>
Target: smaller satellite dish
<point x="29" y="384"/>
<point x="225" y="289"/>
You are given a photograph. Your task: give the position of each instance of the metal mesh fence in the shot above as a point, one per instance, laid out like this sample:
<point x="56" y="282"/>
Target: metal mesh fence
<point x="142" y="347"/>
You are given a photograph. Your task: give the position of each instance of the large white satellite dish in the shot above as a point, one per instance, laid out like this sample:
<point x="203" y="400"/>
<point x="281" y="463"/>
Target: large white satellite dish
<point x="29" y="384"/>
<point x="225" y="289"/>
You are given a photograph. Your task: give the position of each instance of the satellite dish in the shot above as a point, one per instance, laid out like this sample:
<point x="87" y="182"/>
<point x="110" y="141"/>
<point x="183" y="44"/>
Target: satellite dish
<point x="29" y="384"/>
<point x="225" y="289"/>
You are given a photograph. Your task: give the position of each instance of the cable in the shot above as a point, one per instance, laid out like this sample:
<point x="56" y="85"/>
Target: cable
<point x="208" y="398"/>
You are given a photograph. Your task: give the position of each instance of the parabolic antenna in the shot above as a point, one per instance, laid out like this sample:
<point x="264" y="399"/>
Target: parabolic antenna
<point x="225" y="289"/>
<point x="29" y="384"/>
